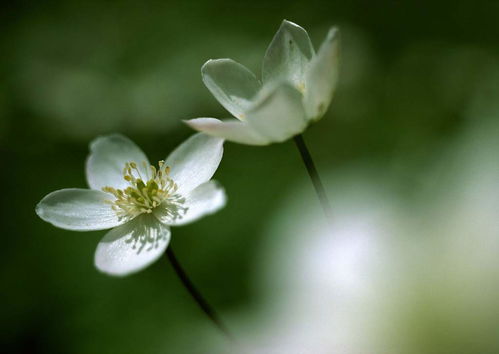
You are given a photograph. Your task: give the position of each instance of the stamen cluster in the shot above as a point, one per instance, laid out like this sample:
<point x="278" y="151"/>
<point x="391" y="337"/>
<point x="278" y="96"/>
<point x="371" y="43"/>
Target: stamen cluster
<point x="143" y="197"/>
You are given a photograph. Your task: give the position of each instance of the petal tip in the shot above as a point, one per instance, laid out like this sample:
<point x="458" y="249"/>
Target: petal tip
<point x="110" y="273"/>
<point x="113" y="271"/>
<point x="189" y="122"/>
<point x="39" y="210"/>
<point x="202" y="125"/>
<point x="333" y="33"/>
<point x="105" y="137"/>
<point x="206" y="63"/>
<point x="209" y="62"/>
<point x="289" y="23"/>
<point x="199" y="125"/>
<point x="195" y="121"/>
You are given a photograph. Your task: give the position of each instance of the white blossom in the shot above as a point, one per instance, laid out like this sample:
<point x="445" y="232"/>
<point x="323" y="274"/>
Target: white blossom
<point x="296" y="89"/>
<point x="138" y="200"/>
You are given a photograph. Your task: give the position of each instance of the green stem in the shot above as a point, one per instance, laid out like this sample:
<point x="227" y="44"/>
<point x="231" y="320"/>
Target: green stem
<point x="314" y="176"/>
<point x="196" y="295"/>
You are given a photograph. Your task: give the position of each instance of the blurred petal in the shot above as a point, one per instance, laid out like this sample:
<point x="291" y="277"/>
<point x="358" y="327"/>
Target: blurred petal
<point x="132" y="246"/>
<point x="195" y="161"/>
<point x="280" y="114"/>
<point x="233" y="130"/>
<point x="206" y="199"/>
<point x="78" y="209"/>
<point x="232" y="84"/>
<point x="288" y="55"/>
<point x="108" y="156"/>
<point x="322" y="76"/>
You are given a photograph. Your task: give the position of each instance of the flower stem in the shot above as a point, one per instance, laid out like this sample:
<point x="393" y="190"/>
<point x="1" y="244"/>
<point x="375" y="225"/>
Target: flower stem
<point x="196" y="295"/>
<point x="314" y="176"/>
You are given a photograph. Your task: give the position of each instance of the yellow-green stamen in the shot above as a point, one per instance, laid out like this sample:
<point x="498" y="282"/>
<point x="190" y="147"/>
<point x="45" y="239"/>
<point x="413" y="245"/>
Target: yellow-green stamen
<point x="143" y="197"/>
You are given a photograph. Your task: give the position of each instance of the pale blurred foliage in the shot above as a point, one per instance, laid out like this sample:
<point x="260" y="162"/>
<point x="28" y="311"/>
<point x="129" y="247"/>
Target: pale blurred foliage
<point x="388" y="276"/>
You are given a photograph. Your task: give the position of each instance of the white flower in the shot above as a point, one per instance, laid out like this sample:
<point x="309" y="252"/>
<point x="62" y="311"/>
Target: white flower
<point x="139" y="201"/>
<point x="298" y="85"/>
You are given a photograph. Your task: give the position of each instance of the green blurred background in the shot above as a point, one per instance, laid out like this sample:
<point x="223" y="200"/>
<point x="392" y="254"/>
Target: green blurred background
<point x="414" y="76"/>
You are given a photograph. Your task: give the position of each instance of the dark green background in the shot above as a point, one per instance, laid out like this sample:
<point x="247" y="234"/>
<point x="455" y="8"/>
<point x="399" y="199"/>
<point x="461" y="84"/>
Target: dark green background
<point x="414" y="73"/>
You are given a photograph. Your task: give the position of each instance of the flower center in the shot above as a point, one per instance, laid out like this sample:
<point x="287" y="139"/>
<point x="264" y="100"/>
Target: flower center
<point x="145" y="193"/>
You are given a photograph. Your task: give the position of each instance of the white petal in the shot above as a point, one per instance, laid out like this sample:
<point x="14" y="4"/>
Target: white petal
<point x="232" y="84"/>
<point x="233" y="130"/>
<point x="195" y="161"/>
<point x="322" y="76"/>
<point x="108" y="156"/>
<point x="132" y="246"/>
<point x="78" y="209"/>
<point x="279" y="115"/>
<point x="288" y="55"/>
<point x="206" y="199"/>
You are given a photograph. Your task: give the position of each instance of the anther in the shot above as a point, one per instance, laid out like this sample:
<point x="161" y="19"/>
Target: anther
<point x="144" y="196"/>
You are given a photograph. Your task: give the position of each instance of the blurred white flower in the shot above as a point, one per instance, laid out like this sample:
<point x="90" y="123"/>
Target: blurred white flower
<point x="298" y="85"/>
<point x="139" y="201"/>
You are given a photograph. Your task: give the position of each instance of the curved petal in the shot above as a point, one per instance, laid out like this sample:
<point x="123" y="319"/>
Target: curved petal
<point x="288" y="55"/>
<point x="78" y="209"/>
<point x="206" y="199"/>
<point x="195" y="161"/>
<point x="108" y="156"/>
<point x="132" y="246"/>
<point x="322" y="76"/>
<point x="232" y="84"/>
<point x="233" y="130"/>
<point x="279" y="115"/>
